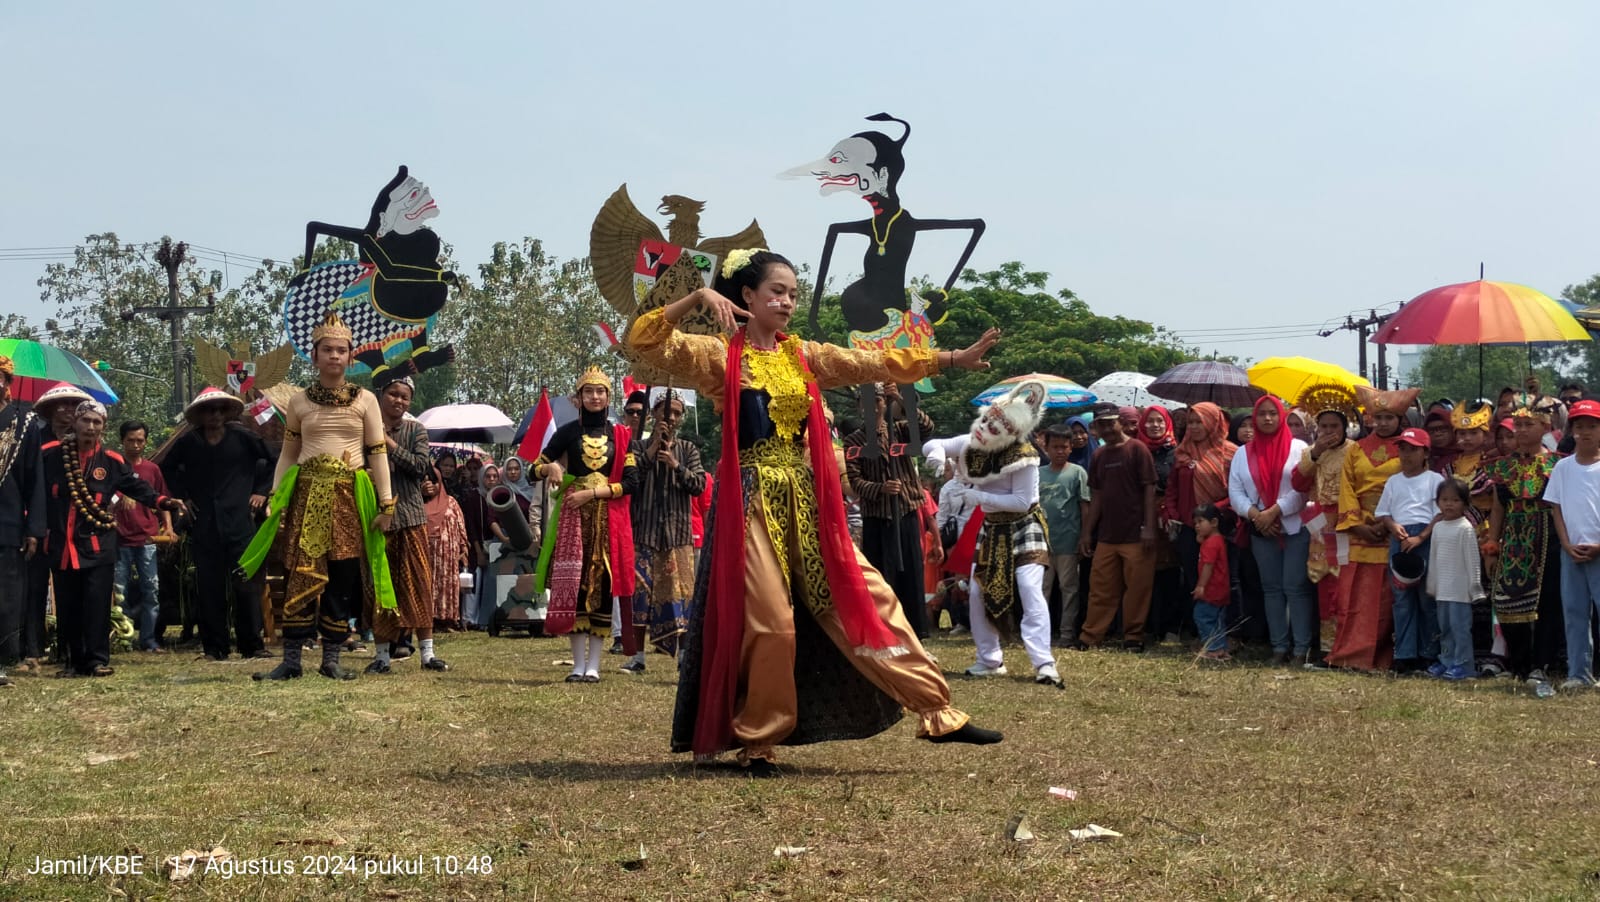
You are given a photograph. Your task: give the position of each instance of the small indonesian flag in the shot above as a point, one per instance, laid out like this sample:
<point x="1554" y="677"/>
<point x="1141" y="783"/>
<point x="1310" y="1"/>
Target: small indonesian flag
<point x="540" y="430"/>
<point x="260" y="409"/>
<point x="607" y="338"/>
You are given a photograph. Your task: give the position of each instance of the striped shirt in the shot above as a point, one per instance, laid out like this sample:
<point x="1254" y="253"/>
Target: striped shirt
<point x="867" y="475"/>
<point x="661" y="504"/>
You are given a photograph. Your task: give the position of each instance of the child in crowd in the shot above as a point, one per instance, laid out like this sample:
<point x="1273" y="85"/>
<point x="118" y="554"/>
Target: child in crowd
<point x="1455" y="579"/>
<point x="1574" y="497"/>
<point x="1406" y="510"/>
<point x="1212" y="590"/>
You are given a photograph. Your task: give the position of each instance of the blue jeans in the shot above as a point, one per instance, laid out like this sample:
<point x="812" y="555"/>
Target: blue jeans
<point x="1580" y="598"/>
<point x="1455" y="634"/>
<point x="1208" y="618"/>
<point x="143" y="611"/>
<point x="1416" y="623"/>
<point x="1290" y="601"/>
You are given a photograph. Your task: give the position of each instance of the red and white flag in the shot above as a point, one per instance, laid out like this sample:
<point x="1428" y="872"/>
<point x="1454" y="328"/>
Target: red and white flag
<point x="606" y="338"/>
<point x="540" y="430"/>
<point x="261" y="410"/>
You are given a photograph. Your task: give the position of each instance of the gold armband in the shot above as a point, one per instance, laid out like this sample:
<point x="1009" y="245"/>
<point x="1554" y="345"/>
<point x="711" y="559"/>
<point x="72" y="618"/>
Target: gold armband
<point x="387" y="507"/>
<point x="379" y="448"/>
<point x="291" y="434"/>
<point x="616" y="489"/>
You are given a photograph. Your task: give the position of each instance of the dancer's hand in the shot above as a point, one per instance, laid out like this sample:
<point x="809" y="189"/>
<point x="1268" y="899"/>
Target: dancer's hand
<point x="553" y="473"/>
<point x="971" y="356"/>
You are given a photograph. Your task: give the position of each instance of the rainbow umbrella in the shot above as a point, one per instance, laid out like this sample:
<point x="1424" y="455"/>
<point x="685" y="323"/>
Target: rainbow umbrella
<point x="1059" y="392"/>
<point x="1480" y="313"/>
<point x="40" y="367"/>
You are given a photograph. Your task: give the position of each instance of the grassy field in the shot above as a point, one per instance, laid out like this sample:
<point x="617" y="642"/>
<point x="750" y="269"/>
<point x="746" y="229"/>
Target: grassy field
<point x="1239" y="781"/>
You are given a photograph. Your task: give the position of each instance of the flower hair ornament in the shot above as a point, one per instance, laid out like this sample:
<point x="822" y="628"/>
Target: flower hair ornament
<point x="738" y="260"/>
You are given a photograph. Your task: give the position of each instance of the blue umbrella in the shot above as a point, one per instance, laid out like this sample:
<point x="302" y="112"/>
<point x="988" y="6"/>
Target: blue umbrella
<point x="1059" y="392"/>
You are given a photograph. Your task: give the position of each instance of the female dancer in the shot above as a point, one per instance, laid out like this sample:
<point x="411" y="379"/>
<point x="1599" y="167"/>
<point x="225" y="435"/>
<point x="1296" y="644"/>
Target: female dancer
<point x="793" y="637"/>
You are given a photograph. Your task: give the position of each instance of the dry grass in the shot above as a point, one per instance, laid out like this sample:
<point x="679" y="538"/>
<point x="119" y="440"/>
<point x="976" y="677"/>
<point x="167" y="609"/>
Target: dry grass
<point x="1232" y="782"/>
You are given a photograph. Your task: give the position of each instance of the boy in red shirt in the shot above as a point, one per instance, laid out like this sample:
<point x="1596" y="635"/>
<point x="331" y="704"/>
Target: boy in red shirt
<point x="1211" y="590"/>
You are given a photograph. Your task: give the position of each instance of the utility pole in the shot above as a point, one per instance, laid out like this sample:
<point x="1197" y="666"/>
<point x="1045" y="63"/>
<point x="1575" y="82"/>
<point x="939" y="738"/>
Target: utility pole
<point x="171" y="256"/>
<point x="1361" y="327"/>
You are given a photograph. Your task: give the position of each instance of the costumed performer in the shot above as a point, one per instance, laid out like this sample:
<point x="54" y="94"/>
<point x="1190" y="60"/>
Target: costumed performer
<point x="331" y="504"/>
<point x="1330" y="409"/>
<point x="81" y="478"/>
<point x="671" y="478"/>
<point x="410" y="571"/>
<point x="1001" y="465"/>
<point x="1526" y="593"/>
<point x="1365" y="638"/>
<point x="22" y="518"/>
<point x="593" y="560"/>
<point x="793" y="637"/>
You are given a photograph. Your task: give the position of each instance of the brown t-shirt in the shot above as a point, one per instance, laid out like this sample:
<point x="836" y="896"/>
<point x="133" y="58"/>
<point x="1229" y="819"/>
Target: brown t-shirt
<point x="1117" y="477"/>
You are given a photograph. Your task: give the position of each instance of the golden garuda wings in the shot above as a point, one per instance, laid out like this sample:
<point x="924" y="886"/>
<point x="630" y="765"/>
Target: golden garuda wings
<point x="638" y="270"/>
<point x="239" y="376"/>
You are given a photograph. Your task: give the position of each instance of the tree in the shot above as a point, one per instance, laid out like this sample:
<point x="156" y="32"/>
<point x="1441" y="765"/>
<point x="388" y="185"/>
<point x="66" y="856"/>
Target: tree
<point x="16" y="326"/>
<point x="1452" y="371"/>
<point x="527" y="323"/>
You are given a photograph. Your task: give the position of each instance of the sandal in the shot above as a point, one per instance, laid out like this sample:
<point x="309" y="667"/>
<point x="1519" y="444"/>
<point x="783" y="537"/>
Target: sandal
<point x="102" y="670"/>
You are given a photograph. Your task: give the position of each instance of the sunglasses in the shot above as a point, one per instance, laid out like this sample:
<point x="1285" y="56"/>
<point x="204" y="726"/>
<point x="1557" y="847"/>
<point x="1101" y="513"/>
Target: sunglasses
<point x="633" y="411"/>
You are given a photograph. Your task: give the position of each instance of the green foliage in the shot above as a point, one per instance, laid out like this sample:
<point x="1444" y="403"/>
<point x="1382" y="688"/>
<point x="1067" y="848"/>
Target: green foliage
<point x="527" y="323"/>
<point x="1452" y="371"/>
<point x="1057" y="334"/>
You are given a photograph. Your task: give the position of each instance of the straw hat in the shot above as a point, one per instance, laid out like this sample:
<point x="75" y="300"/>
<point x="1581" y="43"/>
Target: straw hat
<point x="209" y="396"/>
<point x="71" y="395"/>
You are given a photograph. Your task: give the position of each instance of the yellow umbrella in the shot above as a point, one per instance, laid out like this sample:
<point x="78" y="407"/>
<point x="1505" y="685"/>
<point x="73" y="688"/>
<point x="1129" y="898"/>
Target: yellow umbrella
<point x="1288" y="377"/>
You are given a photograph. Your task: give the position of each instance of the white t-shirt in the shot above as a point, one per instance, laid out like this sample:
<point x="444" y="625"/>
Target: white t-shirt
<point x="1409" y="500"/>
<point x="1576" y="488"/>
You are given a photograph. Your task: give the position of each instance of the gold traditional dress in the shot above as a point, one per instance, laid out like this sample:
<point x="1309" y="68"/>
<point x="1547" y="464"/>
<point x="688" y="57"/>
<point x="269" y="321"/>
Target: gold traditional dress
<point x="801" y="676"/>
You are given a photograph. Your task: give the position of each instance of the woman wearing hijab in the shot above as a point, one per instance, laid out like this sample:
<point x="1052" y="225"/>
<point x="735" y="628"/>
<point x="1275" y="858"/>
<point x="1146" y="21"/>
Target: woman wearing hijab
<point x="1260" y="487"/>
<point x="1199" y="477"/>
<point x="514" y="475"/>
<point x="1167" y="594"/>
<point x="448" y="551"/>
<point x="1083" y="442"/>
<point x="490" y="535"/>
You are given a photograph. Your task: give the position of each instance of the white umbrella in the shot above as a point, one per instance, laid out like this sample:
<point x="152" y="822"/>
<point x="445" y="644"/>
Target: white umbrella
<point x="1125" y="389"/>
<point x="467" y="423"/>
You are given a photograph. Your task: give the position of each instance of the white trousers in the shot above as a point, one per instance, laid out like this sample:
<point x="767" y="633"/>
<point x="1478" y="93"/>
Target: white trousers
<point x="1035" y="620"/>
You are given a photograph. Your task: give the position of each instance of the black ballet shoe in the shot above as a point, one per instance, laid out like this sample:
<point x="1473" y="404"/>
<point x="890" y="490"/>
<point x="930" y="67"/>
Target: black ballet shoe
<point x="969" y="734"/>
<point x="281" y="672"/>
<point x="378" y="666"/>
<point x="334" y="672"/>
<point x="762" y="769"/>
<point x="574" y="678"/>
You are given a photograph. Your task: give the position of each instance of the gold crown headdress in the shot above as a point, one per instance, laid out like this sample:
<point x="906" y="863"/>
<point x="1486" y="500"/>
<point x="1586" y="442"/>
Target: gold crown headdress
<point x="1324" y="397"/>
<point x="593" y="376"/>
<point x="1472" y="415"/>
<point x="332" y="327"/>
<point x="1395" y="401"/>
<point x="1526" y="407"/>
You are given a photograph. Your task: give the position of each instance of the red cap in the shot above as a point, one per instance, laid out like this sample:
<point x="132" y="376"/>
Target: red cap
<point x="1583" y="409"/>
<point x="1507" y="424"/>
<point x="1416" y="437"/>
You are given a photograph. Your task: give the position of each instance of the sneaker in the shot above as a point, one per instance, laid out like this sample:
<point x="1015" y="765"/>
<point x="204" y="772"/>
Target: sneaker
<point x="1458" y="673"/>
<point x="958" y="630"/>
<point x="634" y="666"/>
<point x="435" y="664"/>
<point x="616" y="646"/>
<point x="978" y="670"/>
<point x="1437" y="669"/>
<point x="1047" y="675"/>
<point x="377" y="666"/>
<point x="1575" y="684"/>
<point x="1538" y="675"/>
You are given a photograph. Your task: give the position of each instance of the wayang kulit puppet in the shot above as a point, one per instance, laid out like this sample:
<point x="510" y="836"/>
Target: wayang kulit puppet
<point x="390" y="297"/>
<point x="638" y="270"/>
<point x="879" y="308"/>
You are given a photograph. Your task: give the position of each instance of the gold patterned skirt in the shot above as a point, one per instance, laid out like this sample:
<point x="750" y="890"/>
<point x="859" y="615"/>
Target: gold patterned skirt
<point x="321" y="524"/>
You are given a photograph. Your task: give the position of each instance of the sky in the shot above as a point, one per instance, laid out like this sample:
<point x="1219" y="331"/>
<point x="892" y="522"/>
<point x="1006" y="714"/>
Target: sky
<point x="1242" y="173"/>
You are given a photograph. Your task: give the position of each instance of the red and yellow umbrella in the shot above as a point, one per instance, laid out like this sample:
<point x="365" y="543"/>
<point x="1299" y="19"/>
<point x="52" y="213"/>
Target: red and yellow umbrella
<point x="1480" y="313"/>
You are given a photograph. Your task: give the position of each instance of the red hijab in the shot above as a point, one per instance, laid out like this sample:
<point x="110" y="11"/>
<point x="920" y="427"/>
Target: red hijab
<point x="1268" y="454"/>
<point x="1167" y="440"/>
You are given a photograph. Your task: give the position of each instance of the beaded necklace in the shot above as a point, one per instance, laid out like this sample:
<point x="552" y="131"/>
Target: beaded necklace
<point x="81" y="497"/>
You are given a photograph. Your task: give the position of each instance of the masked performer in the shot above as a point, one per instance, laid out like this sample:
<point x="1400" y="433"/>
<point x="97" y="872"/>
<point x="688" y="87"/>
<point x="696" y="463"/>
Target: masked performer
<point x="594" y="541"/>
<point x="1002" y="467"/>
<point x="82" y="476"/>
<point x="22" y="516"/>
<point x="671" y="478"/>
<point x="793" y="637"/>
<point x="1365" y="638"/>
<point x="332" y="499"/>
<point x="224" y="470"/>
